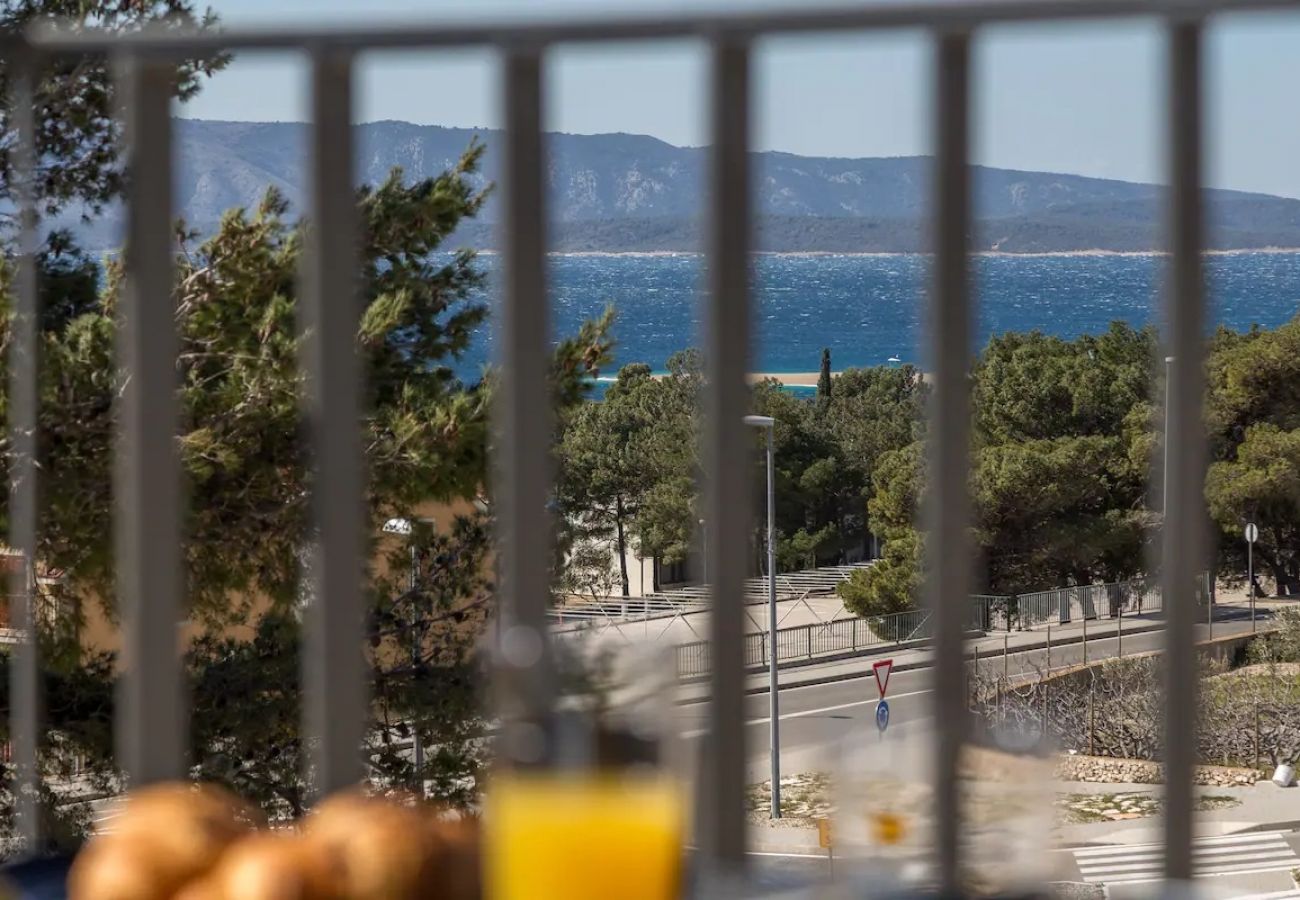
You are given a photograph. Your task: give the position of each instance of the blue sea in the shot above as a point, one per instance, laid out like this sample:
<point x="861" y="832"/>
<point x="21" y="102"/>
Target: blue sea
<point x="867" y="309"/>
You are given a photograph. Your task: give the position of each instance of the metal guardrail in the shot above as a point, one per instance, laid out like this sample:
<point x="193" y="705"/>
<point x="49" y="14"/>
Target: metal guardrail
<point x="987" y="613"/>
<point x="819" y="639"/>
<point x="1140" y="596"/>
<point x="690" y="599"/>
<point x="150" y="720"/>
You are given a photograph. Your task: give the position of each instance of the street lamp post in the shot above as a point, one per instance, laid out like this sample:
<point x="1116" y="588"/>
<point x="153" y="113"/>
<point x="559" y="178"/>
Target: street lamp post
<point x="1252" y="535"/>
<point x="406" y="528"/>
<point x="774" y="731"/>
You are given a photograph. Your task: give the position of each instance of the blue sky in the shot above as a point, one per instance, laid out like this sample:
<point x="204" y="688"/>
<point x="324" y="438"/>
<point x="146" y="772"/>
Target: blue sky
<point x="1076" y="98"/>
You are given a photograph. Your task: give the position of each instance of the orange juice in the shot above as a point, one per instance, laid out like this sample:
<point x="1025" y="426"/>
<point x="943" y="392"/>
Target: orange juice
<point x="583" y="836"/>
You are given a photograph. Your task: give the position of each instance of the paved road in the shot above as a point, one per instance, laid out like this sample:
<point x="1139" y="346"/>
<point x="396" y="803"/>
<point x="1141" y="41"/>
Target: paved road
<point x="817" y="717"/>
<point x="1231" y="854"/>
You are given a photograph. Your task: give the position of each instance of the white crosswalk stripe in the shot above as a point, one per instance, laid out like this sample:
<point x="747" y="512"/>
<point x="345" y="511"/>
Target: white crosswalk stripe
<point x="1276" y="895"/>
<point x="1232" y="854"/>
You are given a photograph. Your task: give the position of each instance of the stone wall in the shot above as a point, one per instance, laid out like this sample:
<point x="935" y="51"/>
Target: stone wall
<point x="1108" y="770"/>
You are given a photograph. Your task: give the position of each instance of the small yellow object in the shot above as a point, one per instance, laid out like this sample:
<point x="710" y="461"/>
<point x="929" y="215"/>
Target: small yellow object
<point x="587" y="836"/>
<point x="824" y="836"/>
<point x="887" y="828"/>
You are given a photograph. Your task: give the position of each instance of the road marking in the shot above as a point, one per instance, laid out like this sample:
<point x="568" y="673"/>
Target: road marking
<point x="1227" y="855"/>
<point x="807" y="712"/>
<point x="1276" y="895"/>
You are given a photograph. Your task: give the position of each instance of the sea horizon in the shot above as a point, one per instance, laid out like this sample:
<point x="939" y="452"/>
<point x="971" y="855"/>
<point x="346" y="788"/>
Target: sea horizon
<point x="869" y="309"/>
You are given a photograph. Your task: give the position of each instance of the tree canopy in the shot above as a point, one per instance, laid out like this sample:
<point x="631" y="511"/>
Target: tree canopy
<point x="425" y="434"/>
<point x="78" y="133"/>
<point x="627" y="472"/>
<point x="1063" y="436"/>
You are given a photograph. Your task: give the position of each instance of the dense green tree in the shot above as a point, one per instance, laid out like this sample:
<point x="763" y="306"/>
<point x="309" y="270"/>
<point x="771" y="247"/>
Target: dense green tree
<point x="826" y="453"/>
<point x="1056" y="512"/>
<point x="425" y="434"/>
<point x="627" y="475"/>
<point x="873" y="411"/>
<point x="1029" y="385"/>
<point x="240" y="393"/>
<point x="1261" y="484"/>
<point x="1253" y="378"/>
<point x="1063" y="440"/>
<point x="604" y="478"/>
<point x="893" y="583"/>
<point x="818" y="496"/>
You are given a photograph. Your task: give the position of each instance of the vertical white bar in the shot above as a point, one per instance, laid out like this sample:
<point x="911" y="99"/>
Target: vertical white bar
<point x="523" y="411"/>
<point x="1184" y="532"/>
<point x="948" y="511"/>
<point x="728" y="451"/>
<point x="334" y="677"/>
<point x="24" y="373"/>
<point x="151" y="713"/>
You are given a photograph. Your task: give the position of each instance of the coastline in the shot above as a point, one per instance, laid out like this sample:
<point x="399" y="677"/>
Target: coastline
<point x="1036" y="254"/>
<point x="787" y="379"/>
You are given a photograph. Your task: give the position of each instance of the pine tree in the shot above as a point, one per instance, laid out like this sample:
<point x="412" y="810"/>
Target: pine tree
<point x="824" y="379"/>
<point x="425" y="431"/>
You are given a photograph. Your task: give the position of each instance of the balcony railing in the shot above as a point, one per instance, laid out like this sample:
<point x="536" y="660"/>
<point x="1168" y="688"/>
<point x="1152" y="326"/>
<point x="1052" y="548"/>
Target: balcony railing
<point x="151" y="716"/>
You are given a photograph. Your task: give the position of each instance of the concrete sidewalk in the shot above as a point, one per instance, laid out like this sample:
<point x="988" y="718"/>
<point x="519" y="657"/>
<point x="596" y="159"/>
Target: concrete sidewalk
<point x="1262" y="806"/>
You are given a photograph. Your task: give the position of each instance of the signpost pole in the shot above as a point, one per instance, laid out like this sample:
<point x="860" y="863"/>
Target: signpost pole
<point x="881" y="670"/>
<point x="826" y="837"/>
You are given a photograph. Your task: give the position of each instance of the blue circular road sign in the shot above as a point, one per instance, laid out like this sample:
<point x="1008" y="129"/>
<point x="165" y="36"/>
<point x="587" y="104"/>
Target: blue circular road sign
<point x="882" y="715"/>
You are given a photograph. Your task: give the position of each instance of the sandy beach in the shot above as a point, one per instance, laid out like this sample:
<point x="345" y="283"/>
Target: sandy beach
<point x="789" y="379"/>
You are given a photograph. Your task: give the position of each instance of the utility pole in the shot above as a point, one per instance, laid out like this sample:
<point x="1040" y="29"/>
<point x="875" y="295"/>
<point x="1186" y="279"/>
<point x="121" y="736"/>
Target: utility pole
<point x="417" y="634"/>
<point x="1252" y="535"/>
<point x="773" y="685"/>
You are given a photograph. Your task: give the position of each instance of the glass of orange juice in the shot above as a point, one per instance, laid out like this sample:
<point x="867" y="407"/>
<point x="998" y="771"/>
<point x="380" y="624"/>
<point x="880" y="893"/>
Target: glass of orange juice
<point x="604" y="816"/>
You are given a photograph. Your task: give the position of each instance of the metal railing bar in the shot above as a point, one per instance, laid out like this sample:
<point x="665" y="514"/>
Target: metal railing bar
<point x="24" y="363"/>
<point x="526" y="681"/>
<point x="948" y="563"/>
<point x="727" y="443"/>
<point x="150" y="727"/>
<point x="334" y="702"/>
<point x="950" y="14"/>
<point x="1184" y="537"/>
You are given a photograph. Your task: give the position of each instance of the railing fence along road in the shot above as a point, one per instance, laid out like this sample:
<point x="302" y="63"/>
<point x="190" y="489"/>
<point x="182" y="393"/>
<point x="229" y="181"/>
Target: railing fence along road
<point x="151" y="719"/>
<point x="985" y="613"/>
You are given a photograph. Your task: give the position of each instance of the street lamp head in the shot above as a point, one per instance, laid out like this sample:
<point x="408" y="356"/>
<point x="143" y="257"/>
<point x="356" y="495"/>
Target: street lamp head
<point x="760" y="421"/>
<point x="1168" y="360"/>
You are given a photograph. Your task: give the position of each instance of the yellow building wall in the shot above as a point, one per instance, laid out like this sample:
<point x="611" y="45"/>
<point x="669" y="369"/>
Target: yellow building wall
<point x="100" y="631"/>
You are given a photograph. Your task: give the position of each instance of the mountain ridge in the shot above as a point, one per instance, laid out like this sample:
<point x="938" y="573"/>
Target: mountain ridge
<point x="626" y="192"/>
